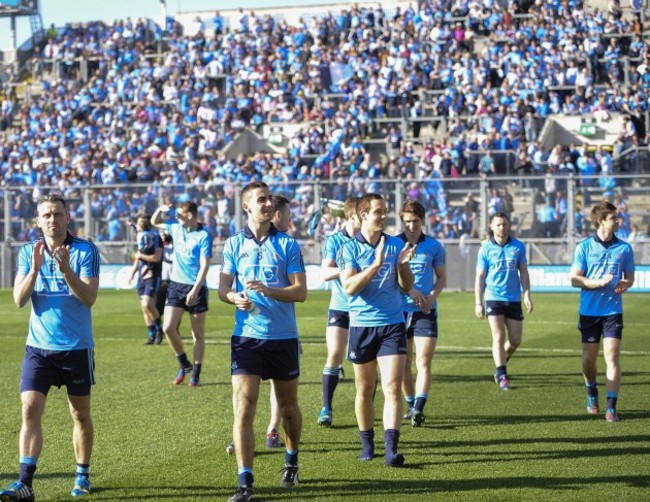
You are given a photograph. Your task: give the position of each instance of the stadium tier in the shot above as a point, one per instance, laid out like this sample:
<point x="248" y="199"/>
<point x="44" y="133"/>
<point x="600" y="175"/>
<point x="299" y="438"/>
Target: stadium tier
<point x="430" y="102"/>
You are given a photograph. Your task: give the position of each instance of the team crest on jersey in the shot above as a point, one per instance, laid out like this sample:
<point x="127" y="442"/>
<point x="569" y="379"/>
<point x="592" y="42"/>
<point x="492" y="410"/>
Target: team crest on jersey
<point x="268" y="274"/>
<point x="54" y="285"/>
<point x="507" y="264"/>
<point x="417" y="268"/>
<point x="383" y="272"/>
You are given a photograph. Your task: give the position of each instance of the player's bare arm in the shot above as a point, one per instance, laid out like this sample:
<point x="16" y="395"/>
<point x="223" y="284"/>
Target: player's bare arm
<point x="228" y="295"/>
<point x="354" y="280"/>
<point x="625" y="283"/>
<point x="150" y="258"/>
<point x="24" y="283"/>
<point x="441" y="283"/>
<point x="193" y="295"/>
<point x="157" y="218"/>
<point x="329" y="270"/>
<point x="479" y="310"/>
<point x="84" y="288"/>
<point x="578" y="280"/>
<point x="295" y="292"/>
<point x="405" y="276"/>
<point x="524" y="277"/>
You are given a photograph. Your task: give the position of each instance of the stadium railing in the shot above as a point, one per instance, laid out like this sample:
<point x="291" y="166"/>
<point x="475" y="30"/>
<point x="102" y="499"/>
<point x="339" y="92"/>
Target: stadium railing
<point x="95" y="207"/>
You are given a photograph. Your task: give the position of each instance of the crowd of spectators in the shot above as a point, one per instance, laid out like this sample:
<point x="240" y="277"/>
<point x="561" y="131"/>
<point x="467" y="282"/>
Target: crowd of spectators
<point x="163" y="118"/>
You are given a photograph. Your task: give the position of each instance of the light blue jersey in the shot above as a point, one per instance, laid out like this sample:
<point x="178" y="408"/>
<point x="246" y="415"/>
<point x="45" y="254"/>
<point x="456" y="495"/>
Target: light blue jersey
<point x="501" y="266"/>
<point x="595" y="258"/>
<point x="429" y="255"/>
<point x="270" y="261"/>
<point x="189" y="247"/>
<point x="331" y="248"/>
<point x="59" y="320"/>
<point x="380" y="302"/>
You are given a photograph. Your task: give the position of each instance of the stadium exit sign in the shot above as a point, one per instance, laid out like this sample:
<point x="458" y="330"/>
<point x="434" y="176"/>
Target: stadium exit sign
<point x="587" y="129"/>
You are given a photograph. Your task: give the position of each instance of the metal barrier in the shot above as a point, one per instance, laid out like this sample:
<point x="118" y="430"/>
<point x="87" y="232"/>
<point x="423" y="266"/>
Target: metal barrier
<point x="104" y="213"/>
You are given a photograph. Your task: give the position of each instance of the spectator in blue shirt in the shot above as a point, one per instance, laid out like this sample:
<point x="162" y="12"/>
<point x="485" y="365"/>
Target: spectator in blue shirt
<point x="548" y="219"/>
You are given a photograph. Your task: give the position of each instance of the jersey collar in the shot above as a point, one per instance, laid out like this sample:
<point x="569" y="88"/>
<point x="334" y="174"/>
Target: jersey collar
<point x="402" y="236"/>
<point x="363" y="240"/>
<point x="608" y="243"/>
<point x="66" y="242"/>
<point x="248" y="233"/>
<point x="493" y="241"/>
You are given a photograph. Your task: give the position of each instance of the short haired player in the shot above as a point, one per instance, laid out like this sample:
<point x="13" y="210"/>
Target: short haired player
<point x="603" y="268"/>
<point x="374" y="272"/>
<point x="420" y="306"/>
<point x="338" y="316"/>
<point x="501" y="274"/>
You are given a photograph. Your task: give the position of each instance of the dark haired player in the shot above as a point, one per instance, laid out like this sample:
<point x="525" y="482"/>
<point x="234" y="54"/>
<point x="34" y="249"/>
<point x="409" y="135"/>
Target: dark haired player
<point x="338" y="316"/>
<point x="188" y="291"/>
<point x="265" y="267"/>
<point x="603" y="269"/>
<point x="420" y="306"/>
<point x="374" y="272"/>
<point x="60" y="274"/>
<point x="148" y="267"/>
<point x="501" y="273"/>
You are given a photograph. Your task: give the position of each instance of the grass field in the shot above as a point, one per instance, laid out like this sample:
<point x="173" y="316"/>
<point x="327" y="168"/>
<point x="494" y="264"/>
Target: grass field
<point x="157" y="442"/>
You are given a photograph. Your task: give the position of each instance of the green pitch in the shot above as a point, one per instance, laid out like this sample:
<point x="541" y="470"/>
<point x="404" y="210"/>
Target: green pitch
<point x="157" y="442"/>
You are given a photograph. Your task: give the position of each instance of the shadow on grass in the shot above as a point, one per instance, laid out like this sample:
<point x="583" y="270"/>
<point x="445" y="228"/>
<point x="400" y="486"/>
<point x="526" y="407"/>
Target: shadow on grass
<point x="342" y="489"/>
<point x="473" y="420"/>
<point x="534" y="454"/>
<point x="13" y="476"/>
<point x="530" y="379"/>
<point x="596" y="442"/>
<point x="163" y="493"/>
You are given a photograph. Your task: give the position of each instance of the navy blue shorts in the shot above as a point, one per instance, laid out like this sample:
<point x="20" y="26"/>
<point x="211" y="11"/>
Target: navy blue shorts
<point x="593" y="328"/>
<point x="177" y="296"/>
<point x="338" y="318"/>
<point x="43" y="368"/>
<point x="275" y="359"/>
<point x="420" y="324"/>
<point x="148" y="287"/>
<point x="512" y="310"/>
<point x="368" y="343"/>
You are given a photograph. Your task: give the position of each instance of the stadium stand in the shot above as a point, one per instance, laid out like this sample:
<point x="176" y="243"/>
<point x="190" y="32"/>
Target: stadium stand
<point x="435" y="101"/>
